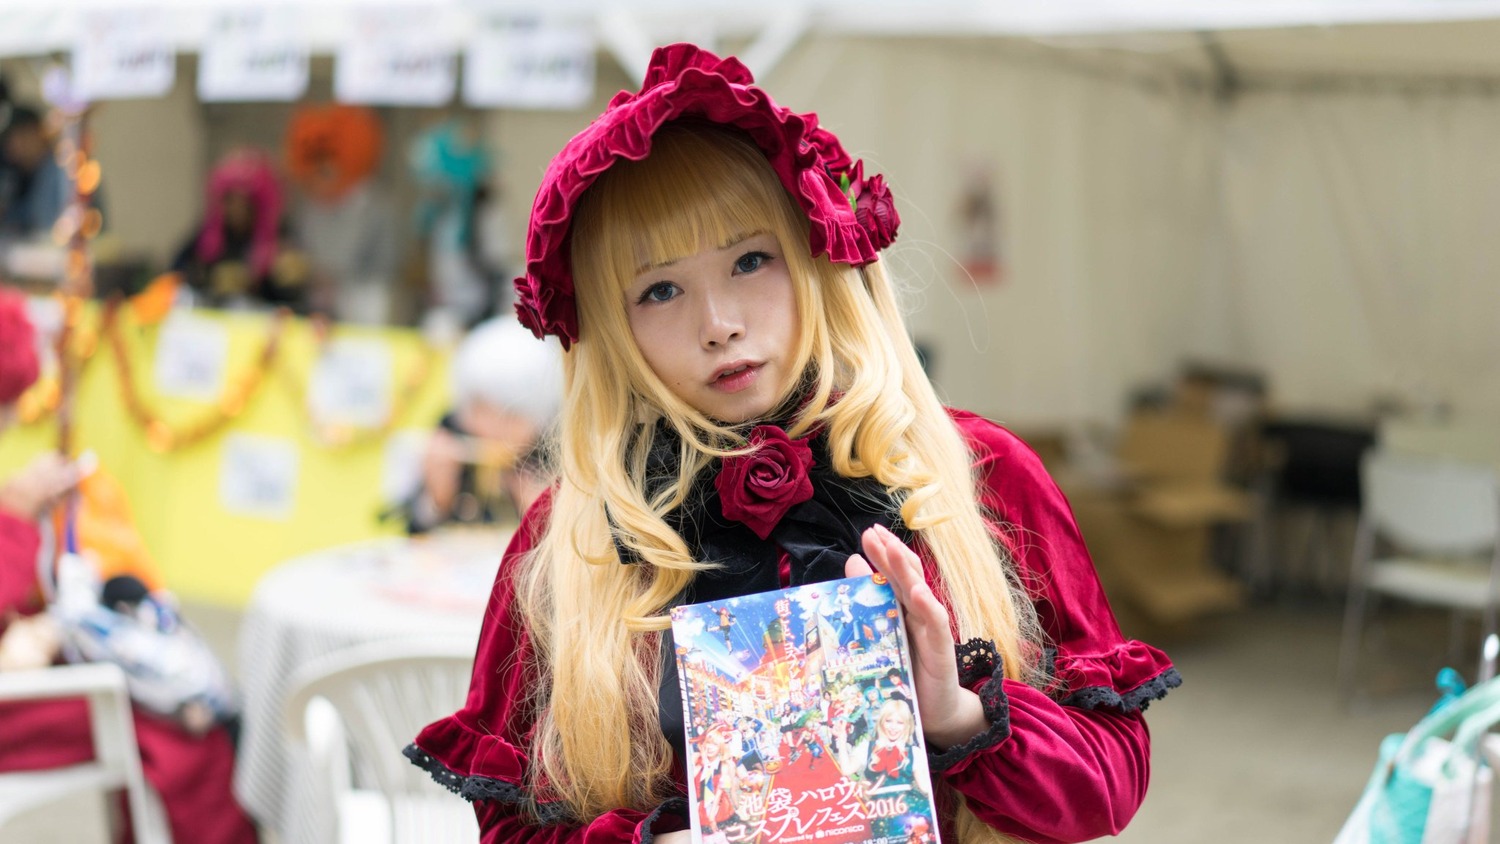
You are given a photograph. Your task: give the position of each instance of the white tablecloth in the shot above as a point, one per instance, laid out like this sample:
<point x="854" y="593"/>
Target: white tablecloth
<point x="315" y="605"/>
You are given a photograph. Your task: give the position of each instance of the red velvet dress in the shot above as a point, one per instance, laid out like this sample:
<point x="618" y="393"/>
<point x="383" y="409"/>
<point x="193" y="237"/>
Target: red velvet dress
<point x="191" y="774"/>
<point x="1071" y="764"/>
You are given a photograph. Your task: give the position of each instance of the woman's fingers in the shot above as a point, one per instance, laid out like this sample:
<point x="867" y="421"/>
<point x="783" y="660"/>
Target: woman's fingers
<point x="927" y="618"/>
<point x="899" y="563"/>
<point x="857" y="566"/>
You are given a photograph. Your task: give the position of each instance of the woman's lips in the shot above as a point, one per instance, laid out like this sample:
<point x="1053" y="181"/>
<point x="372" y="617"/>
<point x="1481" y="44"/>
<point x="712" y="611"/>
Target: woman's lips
<point x="736" y="379"/>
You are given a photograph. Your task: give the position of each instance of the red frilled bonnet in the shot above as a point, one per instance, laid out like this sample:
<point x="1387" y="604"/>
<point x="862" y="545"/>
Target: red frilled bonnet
<point x="851" y="217"/>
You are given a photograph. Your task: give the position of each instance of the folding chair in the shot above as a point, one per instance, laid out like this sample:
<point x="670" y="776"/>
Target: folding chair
<point x="116" y="764"/>
<point x="355" y="710"/>
<point x="1440" y="520"/>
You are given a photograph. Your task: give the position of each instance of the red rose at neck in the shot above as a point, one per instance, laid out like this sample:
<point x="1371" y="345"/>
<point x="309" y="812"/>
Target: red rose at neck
<point x="758" y="488"/>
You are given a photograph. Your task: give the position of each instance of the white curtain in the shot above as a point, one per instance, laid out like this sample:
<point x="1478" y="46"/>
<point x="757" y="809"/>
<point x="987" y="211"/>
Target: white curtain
<point x="1365" y="238"/>
<point x="1104" y="180"/>
<point x="1343" y="241"/>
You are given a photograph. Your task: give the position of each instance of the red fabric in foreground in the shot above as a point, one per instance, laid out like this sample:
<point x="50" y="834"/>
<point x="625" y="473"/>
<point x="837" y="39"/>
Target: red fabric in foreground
<point x="192" y="774"/>
<point x="1064" y="774"/>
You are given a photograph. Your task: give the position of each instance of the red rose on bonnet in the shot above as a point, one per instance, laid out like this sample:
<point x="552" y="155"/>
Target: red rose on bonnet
<point x="875" y="209"/>
<point x="758" y="488"/>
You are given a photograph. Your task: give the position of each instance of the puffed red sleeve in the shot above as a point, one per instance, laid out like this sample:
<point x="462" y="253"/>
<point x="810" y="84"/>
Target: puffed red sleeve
<point x="1071" y="762"/>
<point x="481" y="751"/>
<point x="19" y="542"/>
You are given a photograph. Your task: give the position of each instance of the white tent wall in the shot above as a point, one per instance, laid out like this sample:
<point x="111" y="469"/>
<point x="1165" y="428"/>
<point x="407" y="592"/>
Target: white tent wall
<point x="1364" y="248"/>
<point x="1333" y="230"/>
<point x="152" y="153"/>
<point x="1106" y="187"/>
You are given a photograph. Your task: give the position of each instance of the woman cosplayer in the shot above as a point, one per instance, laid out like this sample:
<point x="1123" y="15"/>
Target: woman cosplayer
<point x="710" y="261"/>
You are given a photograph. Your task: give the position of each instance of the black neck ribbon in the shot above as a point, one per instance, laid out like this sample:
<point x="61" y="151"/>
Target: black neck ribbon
<point x="818" y="536"/>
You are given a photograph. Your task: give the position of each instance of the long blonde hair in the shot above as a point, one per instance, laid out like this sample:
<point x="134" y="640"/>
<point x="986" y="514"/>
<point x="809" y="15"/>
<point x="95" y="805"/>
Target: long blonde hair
<point x="595" y="623"/>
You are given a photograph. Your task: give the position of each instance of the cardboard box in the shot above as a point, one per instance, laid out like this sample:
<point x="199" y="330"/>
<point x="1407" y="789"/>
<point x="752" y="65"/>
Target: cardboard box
<point x="1149" y="528"/>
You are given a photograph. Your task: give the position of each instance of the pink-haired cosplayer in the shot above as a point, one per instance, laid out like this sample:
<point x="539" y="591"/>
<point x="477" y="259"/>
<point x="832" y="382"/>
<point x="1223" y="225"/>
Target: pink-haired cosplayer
<point x="744" y="411"/>
<point x="236" y="256"/>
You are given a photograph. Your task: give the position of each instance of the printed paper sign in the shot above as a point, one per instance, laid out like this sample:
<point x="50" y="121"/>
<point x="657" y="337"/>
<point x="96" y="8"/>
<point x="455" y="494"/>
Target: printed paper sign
<point x="351" y="383"/>
<point x="123" y="54"/>
<point x="395" y="57"/>
<point x="258" y="476"/>
<point x="190" y="357"/>
<point x="519" y="65"/>
<point x="252" y="54"/>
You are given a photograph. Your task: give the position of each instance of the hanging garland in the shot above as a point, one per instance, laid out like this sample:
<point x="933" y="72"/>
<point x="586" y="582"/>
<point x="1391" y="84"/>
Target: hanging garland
<point x="44" y="397"/>
<point x="163" y="438"/>
<point x="338" y="435"/>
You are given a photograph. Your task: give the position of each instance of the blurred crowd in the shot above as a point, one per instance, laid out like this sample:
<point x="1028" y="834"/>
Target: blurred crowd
<point x="311" y="226"/>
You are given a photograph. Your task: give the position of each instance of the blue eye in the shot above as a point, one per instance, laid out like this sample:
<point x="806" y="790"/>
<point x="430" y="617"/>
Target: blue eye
<point x="751" y="261"/>
<point x="662" y="291"/>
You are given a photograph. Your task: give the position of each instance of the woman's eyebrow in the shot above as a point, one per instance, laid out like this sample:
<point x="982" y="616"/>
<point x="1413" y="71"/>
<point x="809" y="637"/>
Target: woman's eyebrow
<point x="733" y="241"/>
<point x="737" y="239"/>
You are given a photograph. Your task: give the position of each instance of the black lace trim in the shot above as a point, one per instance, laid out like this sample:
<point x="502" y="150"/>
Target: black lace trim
<point x="1139" y="698"/>
<point x="976" y="660"/>
<point x="437" y="770"/>
<point x="472" y="788"/>
<point x="996" y="710"/>
<point x="673" y="805"/>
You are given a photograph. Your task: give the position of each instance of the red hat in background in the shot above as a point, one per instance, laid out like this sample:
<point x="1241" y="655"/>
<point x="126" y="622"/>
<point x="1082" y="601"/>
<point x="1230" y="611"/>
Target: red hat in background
<point x="332" y="148"/>
<point x="18" y="363"/>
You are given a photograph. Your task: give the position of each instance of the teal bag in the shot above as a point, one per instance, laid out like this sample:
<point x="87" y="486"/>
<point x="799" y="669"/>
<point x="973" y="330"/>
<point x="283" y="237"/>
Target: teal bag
<point x="1431" y="784"/>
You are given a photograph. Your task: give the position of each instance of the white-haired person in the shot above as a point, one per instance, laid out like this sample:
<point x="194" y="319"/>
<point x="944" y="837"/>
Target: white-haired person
<point x="743" y="411"/>
<point x="483" y="463"/>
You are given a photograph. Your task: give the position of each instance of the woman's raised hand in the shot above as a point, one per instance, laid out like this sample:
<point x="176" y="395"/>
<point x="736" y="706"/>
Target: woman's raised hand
<point x="31" y="492"/>
<point x="951" y="714"/>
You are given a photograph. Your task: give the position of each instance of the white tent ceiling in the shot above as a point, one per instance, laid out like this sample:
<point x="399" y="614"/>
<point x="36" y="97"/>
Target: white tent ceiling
<point x="1440" y="38"/>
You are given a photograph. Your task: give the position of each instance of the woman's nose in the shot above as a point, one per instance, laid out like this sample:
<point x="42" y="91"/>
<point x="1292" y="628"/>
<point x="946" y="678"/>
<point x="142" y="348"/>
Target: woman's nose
<point x="722" y="321"/>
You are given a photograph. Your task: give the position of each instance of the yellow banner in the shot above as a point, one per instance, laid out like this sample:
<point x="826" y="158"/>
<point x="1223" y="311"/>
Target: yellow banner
<point x="228" y="471"/>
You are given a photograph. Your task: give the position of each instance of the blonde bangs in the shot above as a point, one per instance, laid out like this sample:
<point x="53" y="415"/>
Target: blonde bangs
<point x="699" y="189"/>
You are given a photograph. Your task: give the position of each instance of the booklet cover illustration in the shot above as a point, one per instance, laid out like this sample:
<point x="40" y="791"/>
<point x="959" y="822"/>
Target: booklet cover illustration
<point x="801" y="718"/>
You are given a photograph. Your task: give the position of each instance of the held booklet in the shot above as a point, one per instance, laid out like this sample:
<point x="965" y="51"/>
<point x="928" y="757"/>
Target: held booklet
<point x="801" y="718"/>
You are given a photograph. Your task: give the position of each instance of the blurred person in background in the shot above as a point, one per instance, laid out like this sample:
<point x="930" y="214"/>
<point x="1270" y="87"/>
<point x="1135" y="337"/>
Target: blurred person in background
<point x="34" y="190"/>
<point x="190" y="769"/>
<point x="483" y="463"/>
<point x="240" y="256"/>
<point x="342" y="218"/>
<point x="458" y="220"/>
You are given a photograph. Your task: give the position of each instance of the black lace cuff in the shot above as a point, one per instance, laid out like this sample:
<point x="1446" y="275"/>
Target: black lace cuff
<point x="996" y="710"/>
<point x="472" y="788"/>
<point x="672" y="806"/>
<point x="1139" y="698"/>
<point x="976" y="660"/>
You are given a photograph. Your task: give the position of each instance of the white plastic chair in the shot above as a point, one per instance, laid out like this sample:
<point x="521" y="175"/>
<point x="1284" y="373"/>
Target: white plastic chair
<point x="1441" y="518"/>
<point x="354" y="711"/>
<point x="117" y="761"/>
